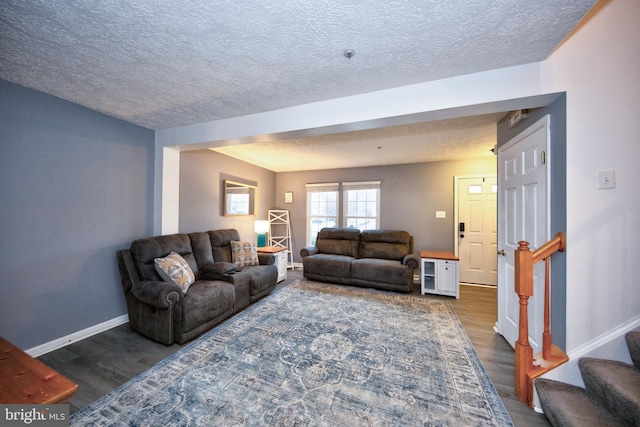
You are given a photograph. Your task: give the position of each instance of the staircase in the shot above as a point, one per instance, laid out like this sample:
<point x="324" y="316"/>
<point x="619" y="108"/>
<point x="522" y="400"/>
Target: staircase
<point x="611" y="396"/>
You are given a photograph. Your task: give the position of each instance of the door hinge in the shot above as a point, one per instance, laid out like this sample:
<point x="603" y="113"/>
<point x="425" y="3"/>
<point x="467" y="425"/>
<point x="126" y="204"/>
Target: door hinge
<point x="543" y="157"/>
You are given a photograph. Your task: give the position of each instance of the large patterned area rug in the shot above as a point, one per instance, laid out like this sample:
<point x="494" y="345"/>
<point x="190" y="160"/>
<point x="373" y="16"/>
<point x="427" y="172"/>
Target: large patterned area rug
<point x="316" y="354"/>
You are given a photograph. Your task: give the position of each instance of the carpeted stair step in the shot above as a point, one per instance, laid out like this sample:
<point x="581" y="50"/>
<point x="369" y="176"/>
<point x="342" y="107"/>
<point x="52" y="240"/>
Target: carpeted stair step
<point x="633" y="343"/>
<point x="614" y="385"/>
<point x="571" y="406"/>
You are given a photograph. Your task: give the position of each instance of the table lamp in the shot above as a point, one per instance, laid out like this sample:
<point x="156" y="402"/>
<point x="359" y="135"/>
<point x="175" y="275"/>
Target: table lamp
<point x="261" y="228"/>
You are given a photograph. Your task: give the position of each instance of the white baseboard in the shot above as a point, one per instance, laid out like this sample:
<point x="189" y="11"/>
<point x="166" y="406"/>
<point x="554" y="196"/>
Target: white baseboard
<point x="77" y="336"/>
<point x="586" y="349"/>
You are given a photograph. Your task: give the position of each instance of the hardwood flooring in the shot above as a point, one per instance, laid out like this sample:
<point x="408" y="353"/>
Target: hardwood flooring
<point x="101" y="363"/>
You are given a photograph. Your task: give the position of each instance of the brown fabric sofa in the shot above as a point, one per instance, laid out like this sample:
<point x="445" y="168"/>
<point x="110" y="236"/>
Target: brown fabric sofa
<point x="159" y="310"/>
<point x="381" y="259"/>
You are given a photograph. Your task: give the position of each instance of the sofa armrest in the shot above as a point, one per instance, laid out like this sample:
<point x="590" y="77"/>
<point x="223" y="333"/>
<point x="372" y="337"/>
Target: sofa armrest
<point x="411" y="261"/>
<point x="309" y="250"/>
<point x="128" y="273"/>
<point x="266" y="259"/>
<point x="218" y="271"/>
<point x="156" y="293"/>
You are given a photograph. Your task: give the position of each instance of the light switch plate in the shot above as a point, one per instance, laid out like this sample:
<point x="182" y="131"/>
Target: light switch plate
<point x="605" y="178"/>
<point x="441" y="214"/>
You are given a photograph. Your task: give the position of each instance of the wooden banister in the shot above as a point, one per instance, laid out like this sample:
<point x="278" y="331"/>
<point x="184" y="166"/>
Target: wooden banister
<point x="546" y="333"/>
<point x="556" y="244"/>
<point x="525" y="370"/>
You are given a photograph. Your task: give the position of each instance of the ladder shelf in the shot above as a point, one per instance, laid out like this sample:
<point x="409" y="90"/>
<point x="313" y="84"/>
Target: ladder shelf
<point x="280" y="233"/>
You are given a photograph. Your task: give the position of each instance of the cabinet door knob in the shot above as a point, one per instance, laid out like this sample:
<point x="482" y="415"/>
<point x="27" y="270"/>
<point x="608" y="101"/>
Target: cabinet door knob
<point x="502" y="252"/>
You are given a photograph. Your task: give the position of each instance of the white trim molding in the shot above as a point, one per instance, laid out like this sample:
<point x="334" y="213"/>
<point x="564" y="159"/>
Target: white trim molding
<point x="587" y="349"/>
<point x="77" y="336"/>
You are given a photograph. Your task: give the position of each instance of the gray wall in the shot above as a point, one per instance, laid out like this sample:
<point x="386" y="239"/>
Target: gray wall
<point x="557" y="157"/>
<point x="201" y="176"/>
<point x="75" y="185"/>
<point x="410" y="194"/>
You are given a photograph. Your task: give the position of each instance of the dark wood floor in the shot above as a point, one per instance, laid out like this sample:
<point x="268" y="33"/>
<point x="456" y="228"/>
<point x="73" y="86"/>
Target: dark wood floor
<point x="104" y="361"/>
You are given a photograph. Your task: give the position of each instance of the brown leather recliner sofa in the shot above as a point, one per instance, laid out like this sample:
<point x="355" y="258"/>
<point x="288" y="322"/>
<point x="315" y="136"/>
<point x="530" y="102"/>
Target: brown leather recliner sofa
<point x="158" y="309"/>
<point x="381" y="259"/>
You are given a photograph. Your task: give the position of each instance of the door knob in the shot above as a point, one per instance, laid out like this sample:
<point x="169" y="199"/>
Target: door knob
<point x="501" y="252"/>
<point x="462" y="236"/>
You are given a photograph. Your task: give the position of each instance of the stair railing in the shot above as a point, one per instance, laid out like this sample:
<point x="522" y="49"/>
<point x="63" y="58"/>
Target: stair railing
<point x="525" y="371"/>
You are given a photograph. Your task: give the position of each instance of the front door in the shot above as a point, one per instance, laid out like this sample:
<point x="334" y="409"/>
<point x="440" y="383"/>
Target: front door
<point x="523" y="209"/>
<point x="477" y="229"/>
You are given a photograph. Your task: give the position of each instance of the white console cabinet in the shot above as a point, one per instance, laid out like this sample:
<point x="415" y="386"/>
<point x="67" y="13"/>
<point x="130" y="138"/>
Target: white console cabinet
<point x="280" y="254"/>
<point x="439" y="273"/>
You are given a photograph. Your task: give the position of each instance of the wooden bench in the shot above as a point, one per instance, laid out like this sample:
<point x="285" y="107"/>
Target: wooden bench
<point x="25" y="380"/>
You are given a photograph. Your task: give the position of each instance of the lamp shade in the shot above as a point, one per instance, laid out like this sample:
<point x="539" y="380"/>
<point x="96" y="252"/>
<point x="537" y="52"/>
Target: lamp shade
<point x="261" y="226"/>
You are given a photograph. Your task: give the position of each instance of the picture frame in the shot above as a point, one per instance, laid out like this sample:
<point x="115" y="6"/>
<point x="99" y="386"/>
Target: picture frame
<point x="288" y="196"/>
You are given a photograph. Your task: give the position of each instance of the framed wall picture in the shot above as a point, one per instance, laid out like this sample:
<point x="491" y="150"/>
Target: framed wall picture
<point x="288" y="196"/>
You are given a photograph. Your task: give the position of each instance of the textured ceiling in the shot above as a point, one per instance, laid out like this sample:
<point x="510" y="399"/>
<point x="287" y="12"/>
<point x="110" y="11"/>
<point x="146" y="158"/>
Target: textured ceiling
<point x="162" y="64"/>
<point x="453" y="139"/>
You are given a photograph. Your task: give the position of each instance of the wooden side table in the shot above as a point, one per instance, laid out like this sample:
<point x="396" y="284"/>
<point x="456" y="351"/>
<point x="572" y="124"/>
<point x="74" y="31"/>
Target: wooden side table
<point x="281" y="259"/>
<point x="25" y="380"/>
<point x="439" y="273"/>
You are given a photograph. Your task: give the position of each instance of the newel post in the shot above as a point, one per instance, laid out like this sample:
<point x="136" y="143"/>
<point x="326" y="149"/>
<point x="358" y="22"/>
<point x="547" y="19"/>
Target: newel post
<point x="524" y="289"/>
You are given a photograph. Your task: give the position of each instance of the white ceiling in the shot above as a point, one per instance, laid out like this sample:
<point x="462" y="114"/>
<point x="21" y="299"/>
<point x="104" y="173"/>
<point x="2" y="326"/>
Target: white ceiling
<point x="162" y="64"/>
<point x="453" y="139"/>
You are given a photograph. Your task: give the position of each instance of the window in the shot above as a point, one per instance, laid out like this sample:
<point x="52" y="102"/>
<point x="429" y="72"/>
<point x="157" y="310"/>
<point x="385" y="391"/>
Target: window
<point x="239" y="199"/>
<point x="238" y="203"/>
<point x="322" y="209"/>
<point x="361" y="204"/>
<point x="475" y="189"/>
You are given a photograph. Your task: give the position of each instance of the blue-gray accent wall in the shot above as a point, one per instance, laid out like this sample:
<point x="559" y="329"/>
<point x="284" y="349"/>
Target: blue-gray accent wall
<point x="75" y="185"/>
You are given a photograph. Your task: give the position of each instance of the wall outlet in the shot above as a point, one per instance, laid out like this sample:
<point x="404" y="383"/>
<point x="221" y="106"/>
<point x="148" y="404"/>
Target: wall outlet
<point x="605" y="178"/>
<point x="441" y="214"/>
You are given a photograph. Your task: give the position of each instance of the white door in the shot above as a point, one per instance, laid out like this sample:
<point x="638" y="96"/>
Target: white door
<point x="523" y="211"/>
<point x="477" y="229"/>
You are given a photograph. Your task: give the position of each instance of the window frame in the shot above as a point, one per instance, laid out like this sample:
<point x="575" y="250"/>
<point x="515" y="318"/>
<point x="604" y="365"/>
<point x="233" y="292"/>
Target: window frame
<point x="341" y="206"/>
<point x="331" y="187"/>
<point x="348" y="187"/>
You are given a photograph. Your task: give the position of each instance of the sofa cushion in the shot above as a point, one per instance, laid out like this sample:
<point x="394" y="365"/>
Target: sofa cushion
<point x="221" y="243"/>
<point x="173" y="268"/>
<point x="327" y="265"/>
<point x="205" y="301"/>
<point x="263" y="277"/>
<point x="145" y="251"/>
<point x="385" y="244"/>
<point x="338" y="241"/>
<point x="201" y="246"/>
<point x="375" y="270"/>
<point x="244" y="253"/>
